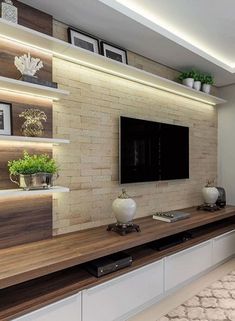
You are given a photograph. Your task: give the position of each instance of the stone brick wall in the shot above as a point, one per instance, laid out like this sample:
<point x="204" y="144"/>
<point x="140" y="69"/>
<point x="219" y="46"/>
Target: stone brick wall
<point x="89" y="165"/>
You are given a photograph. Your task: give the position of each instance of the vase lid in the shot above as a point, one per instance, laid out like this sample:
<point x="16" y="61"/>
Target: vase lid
<point x="124" y="194"/>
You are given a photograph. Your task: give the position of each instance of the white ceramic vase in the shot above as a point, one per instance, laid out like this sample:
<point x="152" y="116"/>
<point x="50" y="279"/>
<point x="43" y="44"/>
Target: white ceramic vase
<point x="210" y="195"/>
<point x="188" y="82"/>
<point x="124" y="208"/>
<point x="197" y="85"/>
<point x="206" y="88"/>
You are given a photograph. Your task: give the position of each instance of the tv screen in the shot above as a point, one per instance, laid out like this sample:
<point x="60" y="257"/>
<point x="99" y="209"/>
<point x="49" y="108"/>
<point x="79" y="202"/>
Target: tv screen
<point x="152" y="151"/>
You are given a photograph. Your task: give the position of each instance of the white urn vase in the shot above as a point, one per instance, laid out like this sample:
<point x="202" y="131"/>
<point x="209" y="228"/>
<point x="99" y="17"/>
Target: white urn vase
<point x="124" y="208"/>
<point x="210" y="194"/>
<point x="188" y="82"/>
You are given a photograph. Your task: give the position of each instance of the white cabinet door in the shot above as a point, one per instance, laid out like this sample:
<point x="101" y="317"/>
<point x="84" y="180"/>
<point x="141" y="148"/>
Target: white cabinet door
<point x="223" y="247"/>
<point x="68" y="309"/>
<point x="186" y="264"/>
<point x="112" y="300"/>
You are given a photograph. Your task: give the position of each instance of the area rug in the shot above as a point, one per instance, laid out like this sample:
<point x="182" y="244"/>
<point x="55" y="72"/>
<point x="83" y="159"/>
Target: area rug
<point x="215" y="303"/>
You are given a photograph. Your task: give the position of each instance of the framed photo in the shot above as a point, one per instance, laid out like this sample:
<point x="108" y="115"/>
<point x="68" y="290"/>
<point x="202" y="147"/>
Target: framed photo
<point x="82" y="40"/>
<point x="113" y="52"/>
<point x="5" y="119"/>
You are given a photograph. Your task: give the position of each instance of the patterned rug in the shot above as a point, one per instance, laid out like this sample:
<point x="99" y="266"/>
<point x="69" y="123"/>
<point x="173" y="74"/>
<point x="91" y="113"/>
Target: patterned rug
<point x="215" y="303"/>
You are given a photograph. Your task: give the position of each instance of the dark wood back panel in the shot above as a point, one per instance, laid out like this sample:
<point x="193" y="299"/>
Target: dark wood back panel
<point x="28" y="219"/>
<point x="8" y="51"/>
<point x="33" y="18"/>
<point x="24" y="220"/>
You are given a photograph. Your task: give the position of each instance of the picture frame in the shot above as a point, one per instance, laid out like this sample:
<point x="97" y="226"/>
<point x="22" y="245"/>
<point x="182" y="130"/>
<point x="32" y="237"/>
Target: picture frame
<point x="5" y="119"/>
<point x="113" y="52"/>
<point x="83" y="40"/>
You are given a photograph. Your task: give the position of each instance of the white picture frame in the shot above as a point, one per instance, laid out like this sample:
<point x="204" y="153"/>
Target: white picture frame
<point x="84" y="41"/>
<point x="5" y="119"/>
<point x="115" y="53"/>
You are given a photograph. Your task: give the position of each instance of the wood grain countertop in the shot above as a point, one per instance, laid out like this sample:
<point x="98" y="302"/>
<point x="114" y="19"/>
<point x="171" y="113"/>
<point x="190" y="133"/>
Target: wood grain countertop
<point x="30" y="261"/>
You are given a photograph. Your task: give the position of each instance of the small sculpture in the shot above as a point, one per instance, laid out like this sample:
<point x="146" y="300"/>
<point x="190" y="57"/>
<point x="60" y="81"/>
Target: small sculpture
<point x="32" y="127"/>
<point x="28" y="65"/>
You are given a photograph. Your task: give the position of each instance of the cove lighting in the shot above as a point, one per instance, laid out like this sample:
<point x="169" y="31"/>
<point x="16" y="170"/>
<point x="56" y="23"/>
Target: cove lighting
<point x="25" y="94"/>
<point x="110" y="72"/>
<point x="25" y="144"/>
<point x="124" y="76"/>
<point x="137" y="11"/>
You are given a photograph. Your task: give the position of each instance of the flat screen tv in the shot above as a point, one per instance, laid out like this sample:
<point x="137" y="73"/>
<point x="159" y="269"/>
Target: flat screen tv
<point x="152" y="151"/>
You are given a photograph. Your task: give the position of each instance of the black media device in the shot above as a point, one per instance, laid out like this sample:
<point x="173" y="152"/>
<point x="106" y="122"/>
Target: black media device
<point x="170" y="241"/>
<point x="221" y="201"/>
<point x="109" y="264"/>
<point x="152" y="151"/>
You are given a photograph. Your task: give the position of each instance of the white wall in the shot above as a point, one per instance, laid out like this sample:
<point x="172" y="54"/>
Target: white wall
<point x="226" y="143"/>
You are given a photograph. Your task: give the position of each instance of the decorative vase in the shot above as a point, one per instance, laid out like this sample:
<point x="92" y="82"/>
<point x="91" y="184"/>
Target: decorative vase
<point x="210" y="195"/>
<point x="206" y="88"/>
<point x="9" y="12"/>
<point x="124" y="208"/>
<point x="197" y="85"/>
<point x="35" y="181"/>
<point x="188" y="82"/>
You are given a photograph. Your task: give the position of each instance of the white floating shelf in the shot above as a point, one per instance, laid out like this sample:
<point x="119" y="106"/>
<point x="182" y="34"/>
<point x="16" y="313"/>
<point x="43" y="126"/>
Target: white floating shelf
<point x="83" y="57"/>
<point x="29" y="89"/>
<point x="54" y="141"/>
<point x="22" y="193"/>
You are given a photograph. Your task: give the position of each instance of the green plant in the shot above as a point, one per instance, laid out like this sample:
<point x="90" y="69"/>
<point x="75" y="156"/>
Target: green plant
<point x="190" y="74"/>
<point x="31" y="164"/>
<point x="208" y="79"/>
<point x="185" y="75"/>
<point x="198" y="76"/>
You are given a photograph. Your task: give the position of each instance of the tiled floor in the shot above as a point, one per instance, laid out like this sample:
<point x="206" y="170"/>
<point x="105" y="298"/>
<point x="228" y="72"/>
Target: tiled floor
<point x="156" y="311"/>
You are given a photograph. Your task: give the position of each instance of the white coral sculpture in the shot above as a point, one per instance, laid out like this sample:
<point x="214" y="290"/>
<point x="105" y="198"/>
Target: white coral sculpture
<point x="28" y="65"/>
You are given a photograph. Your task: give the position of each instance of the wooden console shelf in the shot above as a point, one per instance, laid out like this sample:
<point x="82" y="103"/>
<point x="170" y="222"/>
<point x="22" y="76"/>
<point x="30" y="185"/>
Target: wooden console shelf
<point x="41" y="258"/>
<point x="36" y="293"/>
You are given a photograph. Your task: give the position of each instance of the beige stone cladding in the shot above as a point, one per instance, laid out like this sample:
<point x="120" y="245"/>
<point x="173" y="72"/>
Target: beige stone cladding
<point x="89" y="117"/>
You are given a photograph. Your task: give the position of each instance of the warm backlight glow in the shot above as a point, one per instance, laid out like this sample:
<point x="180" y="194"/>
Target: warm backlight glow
<point x="25" y="94"/>
<point x="138" y="11"/>
<point x="107" y="71"/>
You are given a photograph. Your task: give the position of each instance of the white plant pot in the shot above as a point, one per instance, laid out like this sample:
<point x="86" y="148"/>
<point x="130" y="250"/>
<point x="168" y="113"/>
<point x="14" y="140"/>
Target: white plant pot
<point x="124" y="210"/>
<point x="210" y="195"/>
<point x="206" y="88"/>
<point x="188" y="82"/>
<point x="197" y="85"/>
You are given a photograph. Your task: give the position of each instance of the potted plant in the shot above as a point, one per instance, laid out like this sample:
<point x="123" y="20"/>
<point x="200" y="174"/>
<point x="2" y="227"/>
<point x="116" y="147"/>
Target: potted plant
<point x="33" y="171"/>
<point x="187" y="78"/>
<point x="206" y="83"/>
<point x="198" y="77"/>
<point x="210" y="193"/>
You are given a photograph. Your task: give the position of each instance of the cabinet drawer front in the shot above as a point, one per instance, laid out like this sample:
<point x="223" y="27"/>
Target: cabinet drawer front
<point x="111" y="300"/>
<point x="223" y="247"/>
<point x="67" y="309"/>
<point x="182" y="266"/>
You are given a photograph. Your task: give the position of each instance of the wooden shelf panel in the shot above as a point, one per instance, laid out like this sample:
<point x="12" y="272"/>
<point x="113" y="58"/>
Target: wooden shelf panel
<point x="53" y="141"/>
<point x="68" y="250"/>
<point x="21" y="193"/>
<point x="77" y="55"/>
<point x="59" y="285"/>
<point x="29" y="89"/>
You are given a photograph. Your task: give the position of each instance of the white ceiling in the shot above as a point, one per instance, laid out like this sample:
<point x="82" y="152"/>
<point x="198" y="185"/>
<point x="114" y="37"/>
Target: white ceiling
<point x="178" y="33"/>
